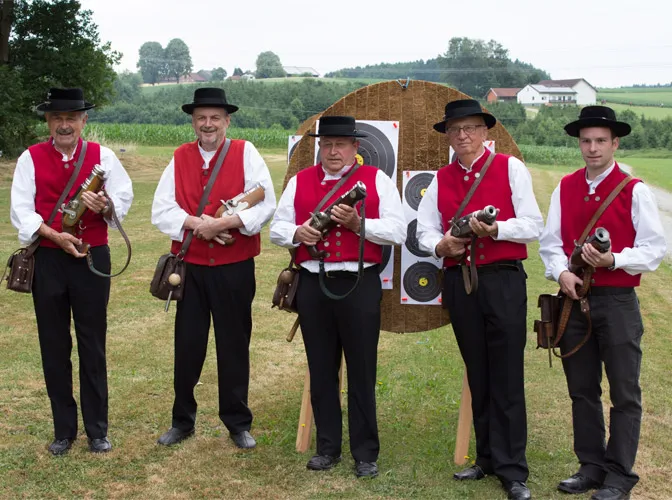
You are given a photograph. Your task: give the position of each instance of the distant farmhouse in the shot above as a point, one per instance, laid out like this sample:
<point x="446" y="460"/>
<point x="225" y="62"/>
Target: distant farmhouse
<point x="300" y="71"/>
<point x="558" y="92"/>
<point x="502" y="94"/>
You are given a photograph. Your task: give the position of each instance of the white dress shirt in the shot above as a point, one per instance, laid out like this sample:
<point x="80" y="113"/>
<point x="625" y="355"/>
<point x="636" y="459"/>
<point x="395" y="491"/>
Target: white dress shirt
<point x="524" y="228"/>
<point x="169" y="217"/>
<point x="118" y="186"/>
<point x="649" y="247"/>
<point x="388" y="229"/>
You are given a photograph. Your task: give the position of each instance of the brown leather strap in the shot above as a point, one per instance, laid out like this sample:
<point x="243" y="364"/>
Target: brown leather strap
<point x="117" y="223"/>
<point x="602" y="208"/>
<point x="470" y="276"/>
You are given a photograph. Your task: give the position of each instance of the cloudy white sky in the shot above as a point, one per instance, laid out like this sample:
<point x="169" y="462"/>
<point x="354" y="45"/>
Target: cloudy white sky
<point x="609" y="43"/>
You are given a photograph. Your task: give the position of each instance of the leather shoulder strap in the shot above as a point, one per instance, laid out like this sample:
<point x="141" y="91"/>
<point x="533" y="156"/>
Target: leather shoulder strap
<point x="602" y="208"/>
<point x="467" y="198"/>
<point x="206" y="193"/>
<point x="336" y="187"/>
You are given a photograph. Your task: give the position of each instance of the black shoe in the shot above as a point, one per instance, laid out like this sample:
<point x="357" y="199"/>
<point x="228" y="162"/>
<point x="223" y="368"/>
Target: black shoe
<point x="322" y="462"/>
<point x="60" y="446"/>
<point x="100" y="445"/>
<point x="517" y="490"/>
<point x="610" y="493"/>
<point x="474" y="472"/>
<point x="174" y="436"/>
<point x="366" y="469"/>
<point x="243" y="440"/>
<point x="578" y="483"/>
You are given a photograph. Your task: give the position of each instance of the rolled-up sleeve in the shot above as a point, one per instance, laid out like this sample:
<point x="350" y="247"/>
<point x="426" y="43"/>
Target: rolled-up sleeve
<point x="390" y="226"/>
<point x="118" y="184"/>
<point x="257" y="173"/>
<point x="22" y="200"/>
<point x="283" y="225"/>
<point x="429" y="229"/>
<point x="167" y="215"/>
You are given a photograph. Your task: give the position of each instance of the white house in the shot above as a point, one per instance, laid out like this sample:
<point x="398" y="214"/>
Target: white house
<point x="540" y="95"/>
<point x="586" y="94"/>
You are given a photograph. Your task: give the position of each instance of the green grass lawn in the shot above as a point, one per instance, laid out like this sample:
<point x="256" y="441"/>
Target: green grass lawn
<point x="638" y="96"/>
<point x="419" y="381"/>
<point x="657" y="113"/>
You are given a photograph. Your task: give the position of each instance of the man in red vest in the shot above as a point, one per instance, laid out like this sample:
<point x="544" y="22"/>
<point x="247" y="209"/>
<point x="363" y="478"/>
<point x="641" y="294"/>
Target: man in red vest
<point x="339" y="308"/>
<point x="219" y="280"/>
<point x="637" y="246"/>
<point x="490" y="322"/>
<point x="63" y="283"/>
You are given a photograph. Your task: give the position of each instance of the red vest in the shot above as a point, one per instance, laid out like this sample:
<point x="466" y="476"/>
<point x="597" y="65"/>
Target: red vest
<point x="577" y="208"/>
<point x="190" y="180"/>
<point x="341" y="245"/>
<point x="52" y="174"/>
<point x="495" y="190"/>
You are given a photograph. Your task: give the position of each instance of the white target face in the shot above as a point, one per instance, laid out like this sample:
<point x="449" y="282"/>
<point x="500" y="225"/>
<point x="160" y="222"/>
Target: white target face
<point x="420" y="283"/>
<point x="292" y="142"/>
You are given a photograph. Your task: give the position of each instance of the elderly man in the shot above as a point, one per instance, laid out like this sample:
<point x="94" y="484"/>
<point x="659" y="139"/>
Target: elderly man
<point x="637" y="246"/>
<point x="489" y="320"/>
<point x="339" y="308"/>
<point x="219" y="278"/>
<point x="63" y="284"/>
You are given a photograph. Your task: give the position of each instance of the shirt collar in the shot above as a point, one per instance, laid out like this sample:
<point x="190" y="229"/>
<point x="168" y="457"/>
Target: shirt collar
<point x="329" y="176"/>
<point x="473" y="162"/>
<point x="592" y="185"/>
<point x="65" y="156"/>
<point x="206" y="155"/>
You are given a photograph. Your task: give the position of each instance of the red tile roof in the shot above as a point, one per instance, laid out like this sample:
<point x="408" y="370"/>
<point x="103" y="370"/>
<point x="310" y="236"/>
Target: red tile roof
<point x="505" y="92"/>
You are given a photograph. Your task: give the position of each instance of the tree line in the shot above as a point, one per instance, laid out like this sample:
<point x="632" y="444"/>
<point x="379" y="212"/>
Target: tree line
<point x="157" y="64"/>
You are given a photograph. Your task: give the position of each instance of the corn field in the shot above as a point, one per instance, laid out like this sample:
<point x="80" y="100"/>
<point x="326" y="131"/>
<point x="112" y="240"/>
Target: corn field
<point x="551" y="155"/>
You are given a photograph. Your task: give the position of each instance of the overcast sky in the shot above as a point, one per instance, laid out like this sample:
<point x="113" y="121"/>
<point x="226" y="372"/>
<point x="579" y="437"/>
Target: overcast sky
<point x="609" y="43"/>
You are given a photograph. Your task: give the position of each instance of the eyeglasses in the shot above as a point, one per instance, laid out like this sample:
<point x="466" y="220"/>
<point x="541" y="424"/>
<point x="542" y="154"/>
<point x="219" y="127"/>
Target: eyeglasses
<point x="468" y="129"/>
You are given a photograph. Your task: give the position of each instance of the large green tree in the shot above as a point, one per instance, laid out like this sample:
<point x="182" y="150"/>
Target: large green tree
<point x="269" y="66"/>
<point x="152" y="62"/>
<point x="218" y="74"/>
<point x="178" y="59"/>
<point x="6" y="17"/>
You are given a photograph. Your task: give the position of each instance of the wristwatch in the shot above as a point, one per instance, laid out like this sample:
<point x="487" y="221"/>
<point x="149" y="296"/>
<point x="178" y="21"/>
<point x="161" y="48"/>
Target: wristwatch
<point x="612" y="267"/>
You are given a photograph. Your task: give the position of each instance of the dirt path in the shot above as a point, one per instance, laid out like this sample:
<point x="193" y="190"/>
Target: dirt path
<point x="664" y="200"/>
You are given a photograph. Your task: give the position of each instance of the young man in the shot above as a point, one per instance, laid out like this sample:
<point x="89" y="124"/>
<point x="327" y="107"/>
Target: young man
<point x="63" y="283"/>
<point x="219" y="278"/>
<point x="490" y="323"/>
<point x="330" y="325"/>
<point x="637" y="246"/>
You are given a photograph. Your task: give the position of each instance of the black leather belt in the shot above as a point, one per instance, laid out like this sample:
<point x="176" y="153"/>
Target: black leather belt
<point x="610" y="290"/>
<point x="344" y="274"/>
<point x="502" y="265"/>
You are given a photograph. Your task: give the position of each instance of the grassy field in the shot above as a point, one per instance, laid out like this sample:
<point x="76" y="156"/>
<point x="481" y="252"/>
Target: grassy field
<point x="654" y="112"/>
<point x="638" y="96"/>
<point x="419" y="380"/>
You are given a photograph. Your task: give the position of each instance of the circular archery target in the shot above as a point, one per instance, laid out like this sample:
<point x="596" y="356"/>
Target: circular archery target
<point x="387" y="250"/>
<point x="421" y="282"/>
<point x="376" y="149"/>
<point x="416" y="187"/>
<point x="412" y="240"/>
<point x="291" y="151"/>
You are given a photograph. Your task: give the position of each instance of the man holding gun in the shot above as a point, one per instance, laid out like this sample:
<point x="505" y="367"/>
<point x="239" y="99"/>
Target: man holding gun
<point x="637" y="246"/>
<point x="219" y="277"/>
<point x="488" y="311"/>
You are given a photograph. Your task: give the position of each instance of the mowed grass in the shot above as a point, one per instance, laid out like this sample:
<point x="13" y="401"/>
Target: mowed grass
<point x="653" y="112"/>
<point x="638" y="96"/>
<point x="419" y="381"/>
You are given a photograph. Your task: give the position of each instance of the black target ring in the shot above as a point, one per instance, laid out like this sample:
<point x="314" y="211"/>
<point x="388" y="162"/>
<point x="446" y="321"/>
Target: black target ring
<point x="376" y="149"/>
<point x="291" y="151"/>
<point x="421" y="282"/>
<point x="387" y="251"/>
<point x="416" y="187"/>
<point x="412" y="243"/>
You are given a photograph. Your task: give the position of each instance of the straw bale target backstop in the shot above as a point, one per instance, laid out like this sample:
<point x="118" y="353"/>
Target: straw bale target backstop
<point x="416" y="105"/>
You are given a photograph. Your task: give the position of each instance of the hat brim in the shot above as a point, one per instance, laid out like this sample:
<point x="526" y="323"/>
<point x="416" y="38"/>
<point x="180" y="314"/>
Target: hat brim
<point x="55" y="107"/>
<point x="189" y="108"/>
<point x="620" y="129"/>
<point x="351" y="134"/>
<point x="490" y="121"/>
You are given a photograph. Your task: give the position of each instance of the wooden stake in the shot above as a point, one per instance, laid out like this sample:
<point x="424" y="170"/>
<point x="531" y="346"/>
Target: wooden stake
<point x="463" y="424"/>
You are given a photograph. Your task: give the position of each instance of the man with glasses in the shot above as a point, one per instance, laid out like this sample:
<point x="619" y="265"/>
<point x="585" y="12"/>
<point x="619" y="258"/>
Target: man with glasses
<point x="489" y="313"/>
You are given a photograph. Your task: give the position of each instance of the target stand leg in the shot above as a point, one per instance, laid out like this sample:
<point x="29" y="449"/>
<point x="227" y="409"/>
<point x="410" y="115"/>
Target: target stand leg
<point x="463" y="424"/>
<point x="305" y="429"/>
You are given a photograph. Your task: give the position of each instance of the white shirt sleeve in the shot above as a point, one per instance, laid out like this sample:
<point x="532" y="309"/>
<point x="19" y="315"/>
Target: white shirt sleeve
<point x="390" y="226"/>
<point x="550" y="243"/>
<point x="430" y="229"/>
<point x="283" y="225"/>
<point x="167" y="215"/>
<point x="22" y="200"/>
<point x="649" y="247"/>
<point x="256" y="172"/>
<point x="118" y="184"/>
<point x="528" y="222"/>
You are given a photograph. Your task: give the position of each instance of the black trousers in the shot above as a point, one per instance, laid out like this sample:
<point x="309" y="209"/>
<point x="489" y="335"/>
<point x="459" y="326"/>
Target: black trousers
<point x="615" y="341"/>
<point x="225" y="292"/>
<point x="490" y="328"/>
<point x="63" y="285"/>
<point x="351" y="326"/>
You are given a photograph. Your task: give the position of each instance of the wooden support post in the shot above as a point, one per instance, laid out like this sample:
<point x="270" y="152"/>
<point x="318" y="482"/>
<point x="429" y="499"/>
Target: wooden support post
<point x="463" y="423"/>
<point x="305" y="430"/>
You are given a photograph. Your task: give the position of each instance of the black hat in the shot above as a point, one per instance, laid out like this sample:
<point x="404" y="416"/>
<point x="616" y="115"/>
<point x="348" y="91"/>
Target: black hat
<point x="461" y="109"/>
<point x="207" y="97"/>
<point x="337" y="126"/>
<point x="64" y="100"/>
<point x="598" y="116"/>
